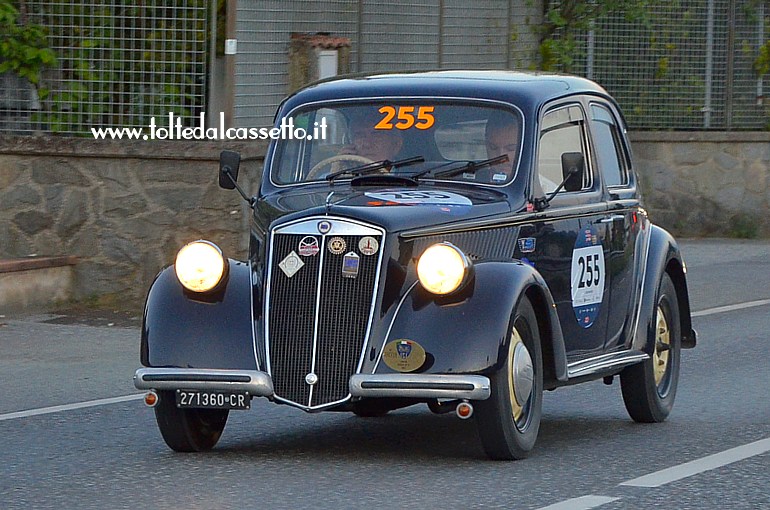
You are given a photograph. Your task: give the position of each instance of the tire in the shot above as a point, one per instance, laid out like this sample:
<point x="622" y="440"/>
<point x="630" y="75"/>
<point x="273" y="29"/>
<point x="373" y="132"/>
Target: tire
<point x="188" y="430"/>
<point x="507" y="429"/>
<point x="649" y="396"/>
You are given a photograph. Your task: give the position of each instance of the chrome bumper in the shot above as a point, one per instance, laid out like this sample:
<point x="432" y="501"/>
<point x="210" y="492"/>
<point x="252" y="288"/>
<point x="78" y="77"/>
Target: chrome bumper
<point x="470" y="387"/>
<point x="258" y="384"/>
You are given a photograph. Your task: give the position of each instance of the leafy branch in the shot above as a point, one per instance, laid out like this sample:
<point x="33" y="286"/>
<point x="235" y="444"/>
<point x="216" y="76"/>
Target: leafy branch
<point x="23" y="48"/>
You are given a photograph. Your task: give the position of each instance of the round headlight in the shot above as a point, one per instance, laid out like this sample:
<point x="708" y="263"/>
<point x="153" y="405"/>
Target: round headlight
<point x="442" y="268"/>
<point x="200" y="266"/>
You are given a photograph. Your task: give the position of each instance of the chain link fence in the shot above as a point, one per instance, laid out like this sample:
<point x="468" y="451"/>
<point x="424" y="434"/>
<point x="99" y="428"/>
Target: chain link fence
<point x="685" y="64"/>
<point x="117" y="64"/>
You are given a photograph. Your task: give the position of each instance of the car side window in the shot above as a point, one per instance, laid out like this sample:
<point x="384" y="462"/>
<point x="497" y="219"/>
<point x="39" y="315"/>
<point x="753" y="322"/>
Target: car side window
<point x="563" y="132"/>
<point x="608" y="146"/>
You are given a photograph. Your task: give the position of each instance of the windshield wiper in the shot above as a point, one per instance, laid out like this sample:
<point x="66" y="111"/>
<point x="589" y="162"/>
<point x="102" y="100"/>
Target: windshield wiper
<point x="375" y="166"/>
<point x="469" y="167"/>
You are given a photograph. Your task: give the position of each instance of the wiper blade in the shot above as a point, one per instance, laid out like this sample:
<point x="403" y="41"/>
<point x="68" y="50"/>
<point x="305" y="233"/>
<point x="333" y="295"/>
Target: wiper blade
<point x="471" y="167"/>
<point x="375" y="166"/>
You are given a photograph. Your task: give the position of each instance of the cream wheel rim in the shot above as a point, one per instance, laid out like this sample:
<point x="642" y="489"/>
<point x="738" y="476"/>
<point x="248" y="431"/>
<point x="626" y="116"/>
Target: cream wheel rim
<point x="662" y="347"/>
<point x="522" y="375"/>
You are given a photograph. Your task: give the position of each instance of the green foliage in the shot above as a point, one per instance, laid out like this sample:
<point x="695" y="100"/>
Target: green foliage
<point x="567" y="22"/>
<point x="762" y="62"/>
<point x="122" y="65"/>
<point x="23" y="48"/>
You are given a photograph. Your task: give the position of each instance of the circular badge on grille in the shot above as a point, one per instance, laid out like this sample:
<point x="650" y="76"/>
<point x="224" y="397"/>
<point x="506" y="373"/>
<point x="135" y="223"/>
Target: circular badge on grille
<point x="308" y="246"/>
<point x="311" y="378"/>
<point x="337" y="245"/>
<point x="324" y="226"/>
<point x="368" y="245"/>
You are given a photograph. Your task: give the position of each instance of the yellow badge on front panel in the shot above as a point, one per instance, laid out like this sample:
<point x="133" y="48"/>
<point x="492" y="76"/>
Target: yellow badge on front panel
<point x="404" y="355"/>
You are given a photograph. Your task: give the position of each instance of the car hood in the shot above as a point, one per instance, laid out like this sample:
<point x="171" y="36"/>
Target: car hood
<point x="394" y="208"/>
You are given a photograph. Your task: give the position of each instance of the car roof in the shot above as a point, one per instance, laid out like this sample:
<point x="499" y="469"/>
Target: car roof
<point x="525" y="89"/>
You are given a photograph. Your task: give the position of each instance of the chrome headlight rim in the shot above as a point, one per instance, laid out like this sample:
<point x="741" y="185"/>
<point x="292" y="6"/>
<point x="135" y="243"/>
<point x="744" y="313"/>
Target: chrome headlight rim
<point x="467" y="270"/>
<point x="221" y="271"/>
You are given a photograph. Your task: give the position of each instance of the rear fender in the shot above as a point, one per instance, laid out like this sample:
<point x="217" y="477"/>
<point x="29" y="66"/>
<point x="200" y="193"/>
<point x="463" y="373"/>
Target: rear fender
<point x="188" y="330"/>
<point x="469" y="334"/>
<point x="663" y="256"/>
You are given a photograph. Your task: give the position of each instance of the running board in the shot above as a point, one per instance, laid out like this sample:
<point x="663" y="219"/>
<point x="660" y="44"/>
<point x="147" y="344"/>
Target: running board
<point x="604" y="362"/>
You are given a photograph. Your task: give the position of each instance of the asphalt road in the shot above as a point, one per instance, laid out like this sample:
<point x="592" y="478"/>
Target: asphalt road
<point x="109" y="453"/>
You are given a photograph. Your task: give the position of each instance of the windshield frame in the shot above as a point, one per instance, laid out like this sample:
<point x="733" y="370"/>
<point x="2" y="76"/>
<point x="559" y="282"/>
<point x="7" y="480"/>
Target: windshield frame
<point x="273" y="150"/>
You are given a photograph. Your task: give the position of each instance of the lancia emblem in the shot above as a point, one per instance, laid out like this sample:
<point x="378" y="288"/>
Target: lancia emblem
<point x="324" y="227"/>
<point x="311" y="378"/>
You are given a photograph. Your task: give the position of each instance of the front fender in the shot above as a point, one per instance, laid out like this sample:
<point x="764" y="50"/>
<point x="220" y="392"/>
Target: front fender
<point x="469" y="334"/>
<point x="188" y="330"/>
<point x="663" y="256"/>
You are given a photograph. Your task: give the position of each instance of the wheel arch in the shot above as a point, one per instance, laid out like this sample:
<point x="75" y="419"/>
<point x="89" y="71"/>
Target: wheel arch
<point x="554" y="366"/>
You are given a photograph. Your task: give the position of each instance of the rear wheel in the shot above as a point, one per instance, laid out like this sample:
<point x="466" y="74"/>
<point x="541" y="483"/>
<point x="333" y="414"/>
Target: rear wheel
<point x="188" y="430"/>
<point x="649" y="388"/>
<point x="509" y="419"/>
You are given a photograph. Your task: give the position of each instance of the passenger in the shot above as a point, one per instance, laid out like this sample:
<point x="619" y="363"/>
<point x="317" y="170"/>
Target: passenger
<point x="502" y="135"/>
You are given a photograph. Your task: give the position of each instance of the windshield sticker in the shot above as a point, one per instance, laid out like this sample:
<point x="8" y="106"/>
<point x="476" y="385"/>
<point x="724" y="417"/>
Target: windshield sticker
<point x="419" y="198"/>
<point x="587" y="277"/>
<point x="407" y="116"/>
<point x="291" y="264"/>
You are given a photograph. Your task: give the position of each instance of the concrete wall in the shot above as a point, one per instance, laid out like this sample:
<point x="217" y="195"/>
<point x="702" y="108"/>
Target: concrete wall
<point x="126" y="208"/>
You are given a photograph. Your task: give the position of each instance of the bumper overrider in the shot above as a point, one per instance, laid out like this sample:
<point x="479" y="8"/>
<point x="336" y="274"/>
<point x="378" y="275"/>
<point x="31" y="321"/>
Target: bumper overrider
<point x="260" y="384"/>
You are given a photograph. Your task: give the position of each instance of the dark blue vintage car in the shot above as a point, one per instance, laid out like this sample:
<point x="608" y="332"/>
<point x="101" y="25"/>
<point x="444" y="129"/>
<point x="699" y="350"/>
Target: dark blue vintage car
<point x="463" y="239"/>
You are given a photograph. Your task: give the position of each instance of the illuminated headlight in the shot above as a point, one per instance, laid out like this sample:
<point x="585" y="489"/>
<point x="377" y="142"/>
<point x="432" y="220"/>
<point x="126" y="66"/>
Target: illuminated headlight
<point x="442" y="268"/>
<point x="200" y="266"/>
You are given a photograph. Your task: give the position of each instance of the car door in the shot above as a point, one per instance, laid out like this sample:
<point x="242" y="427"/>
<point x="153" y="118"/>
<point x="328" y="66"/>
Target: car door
<point x="570" y="241"/>
<point x="613" y="161"/>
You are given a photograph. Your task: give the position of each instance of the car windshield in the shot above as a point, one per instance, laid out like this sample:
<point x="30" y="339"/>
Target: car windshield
<point x="424" y="138"/>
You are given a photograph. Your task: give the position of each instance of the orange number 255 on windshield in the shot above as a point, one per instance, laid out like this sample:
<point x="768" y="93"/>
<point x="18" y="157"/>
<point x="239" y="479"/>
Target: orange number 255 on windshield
<point x="406" y="117"/>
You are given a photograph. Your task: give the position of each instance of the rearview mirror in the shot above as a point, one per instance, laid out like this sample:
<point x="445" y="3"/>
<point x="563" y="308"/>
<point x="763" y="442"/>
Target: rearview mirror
<point x="229" y="162"/>
<point x="572" y="170"/>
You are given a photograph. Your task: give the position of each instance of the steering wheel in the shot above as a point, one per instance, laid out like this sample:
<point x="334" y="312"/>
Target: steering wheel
<point x="334" y="164"/>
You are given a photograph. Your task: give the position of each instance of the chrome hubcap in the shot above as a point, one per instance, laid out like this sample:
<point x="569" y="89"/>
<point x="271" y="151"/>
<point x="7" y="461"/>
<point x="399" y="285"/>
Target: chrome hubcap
<point x="662" y="347"/>
<point x="522" y="374"/>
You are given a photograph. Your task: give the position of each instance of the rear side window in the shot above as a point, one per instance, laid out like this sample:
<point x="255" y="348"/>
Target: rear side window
<point x="609" y="151"/>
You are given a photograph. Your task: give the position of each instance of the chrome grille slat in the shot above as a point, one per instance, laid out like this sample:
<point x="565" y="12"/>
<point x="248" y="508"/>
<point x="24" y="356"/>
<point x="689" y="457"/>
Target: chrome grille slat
<point x="344" y="314"/>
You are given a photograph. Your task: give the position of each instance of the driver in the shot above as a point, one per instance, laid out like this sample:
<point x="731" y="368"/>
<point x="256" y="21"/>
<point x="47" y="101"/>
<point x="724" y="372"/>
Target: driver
<point x="371" y="143"/>
<point x="502" y="137"/>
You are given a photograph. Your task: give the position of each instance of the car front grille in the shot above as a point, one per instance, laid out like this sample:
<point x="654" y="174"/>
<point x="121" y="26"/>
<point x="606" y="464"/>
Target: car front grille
<point x="319" y="317"/>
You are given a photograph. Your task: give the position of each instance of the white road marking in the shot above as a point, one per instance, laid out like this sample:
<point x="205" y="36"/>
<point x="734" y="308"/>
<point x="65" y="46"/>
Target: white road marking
<point x="69" y="407"/>
<point x="695" y="467"/>
<point x="581" y="503"/>
<point x="731" y="308"/>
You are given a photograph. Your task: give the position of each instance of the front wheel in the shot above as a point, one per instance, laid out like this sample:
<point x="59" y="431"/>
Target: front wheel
<point x="188" y="430"/>
<point x="649" y="388"/>
<point x="509" y="420"/>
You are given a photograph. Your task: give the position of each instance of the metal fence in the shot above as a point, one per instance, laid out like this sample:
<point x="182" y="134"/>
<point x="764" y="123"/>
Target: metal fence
<point x="685" y="64"/>
<point x="118" y="64"/>
<point x="385" y="36"/>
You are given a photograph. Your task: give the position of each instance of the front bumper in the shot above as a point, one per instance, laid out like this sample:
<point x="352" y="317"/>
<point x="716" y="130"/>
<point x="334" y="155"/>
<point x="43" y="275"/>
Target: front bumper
<point x="260" y="384"/>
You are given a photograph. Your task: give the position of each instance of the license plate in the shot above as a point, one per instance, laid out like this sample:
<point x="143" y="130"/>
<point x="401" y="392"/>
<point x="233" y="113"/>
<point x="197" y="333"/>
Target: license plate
<point x="196" y="399"/>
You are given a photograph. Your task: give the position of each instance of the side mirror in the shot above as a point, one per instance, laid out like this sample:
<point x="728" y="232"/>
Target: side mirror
<point x="229" y="162"/>
<point x="572" y="170"/>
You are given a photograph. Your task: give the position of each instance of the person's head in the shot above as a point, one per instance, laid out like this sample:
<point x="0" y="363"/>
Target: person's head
<point x="502" y="137"/>
<point x="375" y="144"/>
